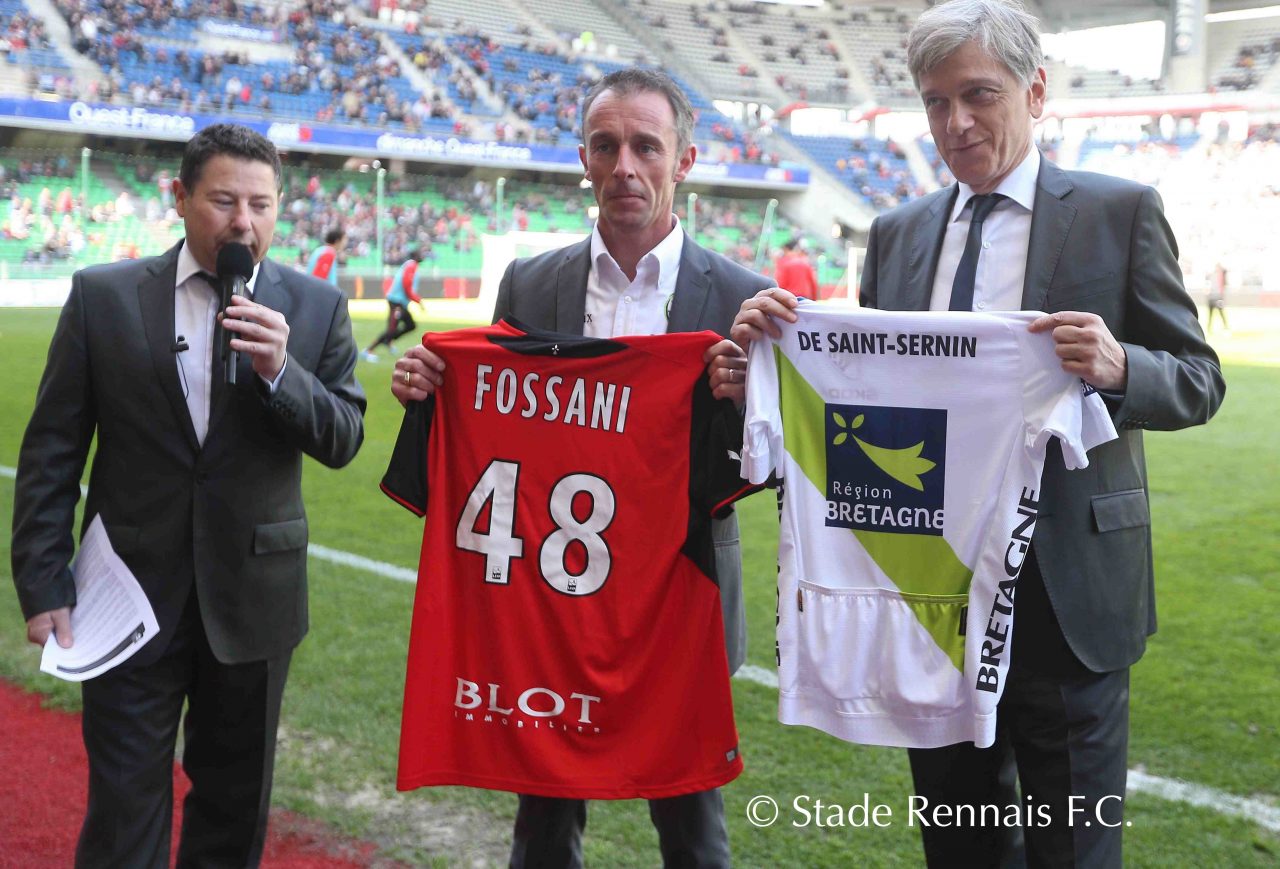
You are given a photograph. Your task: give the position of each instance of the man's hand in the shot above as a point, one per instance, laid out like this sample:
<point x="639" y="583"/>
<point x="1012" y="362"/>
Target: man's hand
<point x="727" y="371"/>
<point x="1087" y="348"/>
<point x="416" y="375"/>
<point x="756" y="317"/>
<point x="53" y="622"/>
<point x="260" y="332"/>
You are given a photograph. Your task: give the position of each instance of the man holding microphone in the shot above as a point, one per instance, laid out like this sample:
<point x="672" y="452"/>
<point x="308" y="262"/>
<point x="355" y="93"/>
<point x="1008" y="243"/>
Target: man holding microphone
<point x="197" y="480"/>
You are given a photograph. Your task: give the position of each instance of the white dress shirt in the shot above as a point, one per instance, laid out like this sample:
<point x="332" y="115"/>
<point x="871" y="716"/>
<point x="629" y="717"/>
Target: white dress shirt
<point x="617" y="305"/>
<point x="1006" y="235"/>
<point x="195" y="310"/>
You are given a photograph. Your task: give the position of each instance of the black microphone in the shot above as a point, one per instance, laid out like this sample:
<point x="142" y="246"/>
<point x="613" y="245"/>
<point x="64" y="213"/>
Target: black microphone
<point x="180" y="346"/>
<point x="235" y="267"/>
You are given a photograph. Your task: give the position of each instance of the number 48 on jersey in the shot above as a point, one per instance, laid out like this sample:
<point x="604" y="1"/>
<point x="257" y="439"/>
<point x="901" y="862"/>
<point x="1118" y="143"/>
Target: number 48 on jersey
<point x="498" y="487"/>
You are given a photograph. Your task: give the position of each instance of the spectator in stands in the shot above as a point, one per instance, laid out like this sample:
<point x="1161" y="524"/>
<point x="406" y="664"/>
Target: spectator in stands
<point x="164" y="186"/>
<point x="1062" y="242"/>
<point x="324" y="259"/>
<point x="794" y="272"/>
<point x="402" y="291"/>
<point x="637" y="146"/>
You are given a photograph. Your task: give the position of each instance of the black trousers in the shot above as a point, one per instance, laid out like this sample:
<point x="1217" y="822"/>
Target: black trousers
<point x="691" y="831"/>
<point x="1063" y="732"/>
<point x="399" y="322"/>
<point x="1217" y="305"/>
<point x="130" y="726"/>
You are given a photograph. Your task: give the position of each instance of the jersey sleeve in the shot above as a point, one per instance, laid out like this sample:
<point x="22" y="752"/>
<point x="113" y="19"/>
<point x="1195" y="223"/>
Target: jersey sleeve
<point x="405" y="481"/>
<point x="715" y="479"/>
<point x="1057" y="404"/>
<point x="762" y="424"/>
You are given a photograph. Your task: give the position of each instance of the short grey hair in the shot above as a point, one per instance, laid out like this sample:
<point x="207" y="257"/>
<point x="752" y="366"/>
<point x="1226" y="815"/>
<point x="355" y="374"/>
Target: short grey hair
<point x="638" y="79"/>
<point x="1003" y="29"/>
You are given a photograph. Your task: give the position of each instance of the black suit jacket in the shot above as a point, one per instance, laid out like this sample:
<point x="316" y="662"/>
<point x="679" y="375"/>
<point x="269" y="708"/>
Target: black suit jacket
<point x="549" y="291"/>
<point x="1102" y="245"/>
<point x="225" y="519"/>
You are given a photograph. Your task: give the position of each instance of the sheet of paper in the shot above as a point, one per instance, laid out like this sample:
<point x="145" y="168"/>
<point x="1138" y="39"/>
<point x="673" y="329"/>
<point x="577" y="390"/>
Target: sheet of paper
<point x="112" y="617"/>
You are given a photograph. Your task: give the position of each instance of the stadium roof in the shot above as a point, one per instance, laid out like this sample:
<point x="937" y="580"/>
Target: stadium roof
<point x="1056" y="16"/>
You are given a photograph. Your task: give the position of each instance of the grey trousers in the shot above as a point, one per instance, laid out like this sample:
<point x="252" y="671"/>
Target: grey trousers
<point x="691" y="831"/>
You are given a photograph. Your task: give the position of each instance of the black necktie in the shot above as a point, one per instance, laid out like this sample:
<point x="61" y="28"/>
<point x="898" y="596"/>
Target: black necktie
<point x="962" y="286"/>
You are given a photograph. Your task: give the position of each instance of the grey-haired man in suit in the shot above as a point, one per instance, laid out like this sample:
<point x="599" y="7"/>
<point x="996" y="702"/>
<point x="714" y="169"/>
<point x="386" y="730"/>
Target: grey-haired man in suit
<point x="198" y="484"/>
<point x="1096" y="253"/>
<point x="637" y="274"/>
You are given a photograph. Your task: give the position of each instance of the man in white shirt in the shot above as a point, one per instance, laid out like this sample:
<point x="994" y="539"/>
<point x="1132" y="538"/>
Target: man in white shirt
<point x="639" y="273"/>
<point x="1095" y="252"/>
<point x="197" y="480"/>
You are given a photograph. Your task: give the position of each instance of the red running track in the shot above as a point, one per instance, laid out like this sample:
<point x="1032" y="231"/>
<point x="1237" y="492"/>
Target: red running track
<point x="43" y="787"/>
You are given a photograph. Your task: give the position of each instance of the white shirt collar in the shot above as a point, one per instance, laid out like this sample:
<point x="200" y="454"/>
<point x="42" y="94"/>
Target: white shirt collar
<point x="187" y="266"/>
<point x="665" y="256"/>
<point x="1019" y="185"/>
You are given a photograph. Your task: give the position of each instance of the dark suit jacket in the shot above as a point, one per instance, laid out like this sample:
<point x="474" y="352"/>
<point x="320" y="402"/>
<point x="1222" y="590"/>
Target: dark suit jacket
<point x="1102" y="245"/>
<point x="550" y="292"/>
<point x="225" y="519"/>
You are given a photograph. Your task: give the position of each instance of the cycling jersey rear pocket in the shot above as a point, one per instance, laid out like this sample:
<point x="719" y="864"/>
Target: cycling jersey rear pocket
<point x="876" y="650"/>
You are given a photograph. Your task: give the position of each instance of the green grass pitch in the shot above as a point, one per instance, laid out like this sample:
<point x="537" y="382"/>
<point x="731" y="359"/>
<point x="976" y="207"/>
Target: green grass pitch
<point x="1205" y="699"/>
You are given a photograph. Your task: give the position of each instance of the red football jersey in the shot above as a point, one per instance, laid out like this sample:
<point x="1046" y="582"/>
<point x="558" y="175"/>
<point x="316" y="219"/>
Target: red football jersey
<point x="567" y="637"/>
<point x="322" y="262"/>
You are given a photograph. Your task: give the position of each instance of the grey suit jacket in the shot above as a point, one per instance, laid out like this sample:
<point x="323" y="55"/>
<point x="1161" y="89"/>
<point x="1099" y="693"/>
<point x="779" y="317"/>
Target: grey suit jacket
<point x="1102" y="245"/>
<point x="225" y="519"/>
<point x="550" y="292"/>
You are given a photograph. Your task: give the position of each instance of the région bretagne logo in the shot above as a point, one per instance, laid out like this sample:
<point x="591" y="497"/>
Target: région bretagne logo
<point x="904" y="464"/>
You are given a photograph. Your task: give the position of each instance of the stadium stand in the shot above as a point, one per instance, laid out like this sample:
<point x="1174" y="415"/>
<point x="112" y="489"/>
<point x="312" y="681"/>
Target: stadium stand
<point x="541" y="88"/>
<point x="581" y="24"/>
<point x="1074" y="82"/>
<point x="875" y="169"/>
<point x="23" y="40"/>
<point x="130" y="214"/>
<point x="47" y="229"/>
<point x="798" y="51"/>
<point x="1224" y="200"/>
<point x="319" y="61"/>
<point x="507" y="23"/>
<point x="877" y="36"/>
<point x="703" y="40"/>
<point x="1244" y="53"/>
<point x="517" y="73"/>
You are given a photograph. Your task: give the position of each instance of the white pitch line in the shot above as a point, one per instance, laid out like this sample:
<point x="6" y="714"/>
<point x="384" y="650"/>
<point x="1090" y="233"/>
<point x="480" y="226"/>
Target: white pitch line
<point x="12" y="474"/>
<point x="1176" y="790"/>
<point x="324" y="553"/>
<point x="759" y="675"/>
<point x="359" y="562"/>
<point x="1173" y="790"/>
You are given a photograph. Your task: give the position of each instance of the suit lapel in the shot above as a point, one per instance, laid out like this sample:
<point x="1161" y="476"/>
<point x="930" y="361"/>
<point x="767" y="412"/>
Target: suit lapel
<point x="926" y="248"/>
<point x="155" y="297"/>
<point x="693" y="288"/>
<point x="571" y="288"/>
<point x="1050" y="222"/>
